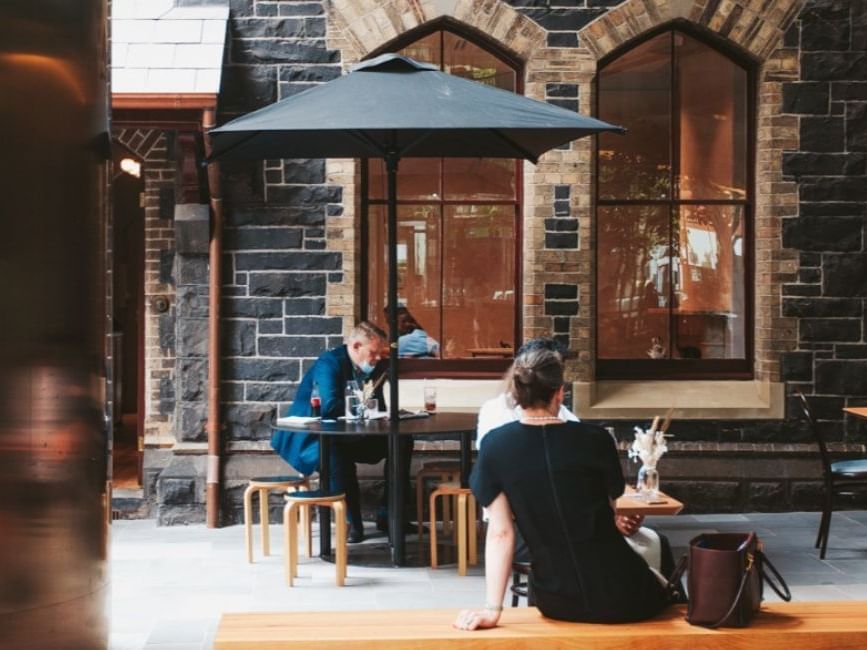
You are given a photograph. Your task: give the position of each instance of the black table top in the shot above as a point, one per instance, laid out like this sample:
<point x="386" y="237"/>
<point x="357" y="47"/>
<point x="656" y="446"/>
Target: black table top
<point x="437" y="424"/>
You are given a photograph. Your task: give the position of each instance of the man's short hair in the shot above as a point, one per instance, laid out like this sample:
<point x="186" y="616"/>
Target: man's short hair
<point x="366" y="331"/>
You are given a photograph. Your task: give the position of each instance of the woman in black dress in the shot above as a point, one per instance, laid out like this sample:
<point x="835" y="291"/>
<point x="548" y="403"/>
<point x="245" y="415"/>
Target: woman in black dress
<point x="558" y="480"/>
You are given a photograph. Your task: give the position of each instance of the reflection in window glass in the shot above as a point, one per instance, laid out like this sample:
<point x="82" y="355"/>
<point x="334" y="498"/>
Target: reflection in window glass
<point x="418" y="270"/>
<point x="709" y="296"/>
<point x="488" y="179"/>
<point x="457" y="223"/>
<point x="671" y="273"/>
<point x="478" y="278"/>
<point x="427" y="49"/>
<point x="417" y="179"/>
<point x="469" y="61"/>
<point x="712" y="123"/>
<point x="633" y="289"/>
<point x="635" y="91"/>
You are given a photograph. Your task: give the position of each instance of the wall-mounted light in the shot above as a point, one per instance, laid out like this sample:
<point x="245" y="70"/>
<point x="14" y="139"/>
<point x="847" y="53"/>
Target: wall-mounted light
<point x="131" y="167"/>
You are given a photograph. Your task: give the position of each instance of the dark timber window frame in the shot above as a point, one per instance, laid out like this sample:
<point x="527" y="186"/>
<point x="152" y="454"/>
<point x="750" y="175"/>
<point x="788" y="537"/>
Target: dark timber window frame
<point x="471" y="368"/>
<point x="687" y="368"/>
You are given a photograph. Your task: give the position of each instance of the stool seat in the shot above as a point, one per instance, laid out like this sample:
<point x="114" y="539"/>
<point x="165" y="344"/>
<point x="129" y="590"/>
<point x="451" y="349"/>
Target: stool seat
<point x="322" y="496"/>
<point x="271" y="480"/>
<point x="452" y="487"/>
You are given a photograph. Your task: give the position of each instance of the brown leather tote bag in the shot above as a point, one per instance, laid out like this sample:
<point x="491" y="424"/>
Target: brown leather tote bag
<point x="726" y="575"/>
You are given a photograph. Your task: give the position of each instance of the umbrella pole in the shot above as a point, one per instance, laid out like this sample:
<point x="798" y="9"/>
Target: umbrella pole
<point x="395" y="492"/>
<point x="391" y="162"/>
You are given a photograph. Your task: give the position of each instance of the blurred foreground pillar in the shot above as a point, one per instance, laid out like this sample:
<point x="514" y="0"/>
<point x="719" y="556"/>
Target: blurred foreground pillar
<point x="53" y="502"/>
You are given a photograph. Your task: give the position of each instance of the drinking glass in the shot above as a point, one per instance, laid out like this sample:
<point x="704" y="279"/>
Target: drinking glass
<point x="352" y="398"/>
<point x="430" y="399"/>
<point x="371" y="406"/>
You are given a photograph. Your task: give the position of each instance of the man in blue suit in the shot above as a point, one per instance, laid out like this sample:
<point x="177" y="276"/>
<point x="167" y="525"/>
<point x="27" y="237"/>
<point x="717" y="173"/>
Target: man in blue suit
<point x="356" y="360"/>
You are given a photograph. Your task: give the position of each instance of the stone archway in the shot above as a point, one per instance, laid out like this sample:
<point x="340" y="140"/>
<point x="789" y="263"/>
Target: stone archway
<point x="362" y="26"/>
<point x="758" y="32"/>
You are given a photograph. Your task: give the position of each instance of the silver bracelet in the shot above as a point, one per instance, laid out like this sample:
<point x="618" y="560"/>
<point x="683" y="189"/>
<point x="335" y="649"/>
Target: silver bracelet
<point x="493" y="608"/>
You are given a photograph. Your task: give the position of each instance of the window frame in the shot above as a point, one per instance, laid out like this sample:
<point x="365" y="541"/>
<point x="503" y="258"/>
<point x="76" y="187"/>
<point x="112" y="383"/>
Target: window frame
<point x="472" y="368"/>
<point x="686" y="368"/>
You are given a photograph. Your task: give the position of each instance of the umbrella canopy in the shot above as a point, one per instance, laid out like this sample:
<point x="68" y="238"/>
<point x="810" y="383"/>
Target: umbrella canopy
<point x="395" y="105"/>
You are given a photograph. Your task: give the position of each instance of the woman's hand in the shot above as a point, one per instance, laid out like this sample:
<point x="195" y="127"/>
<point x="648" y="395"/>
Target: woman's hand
<point x="628" y="525"/>
<point x="476" y="620"/>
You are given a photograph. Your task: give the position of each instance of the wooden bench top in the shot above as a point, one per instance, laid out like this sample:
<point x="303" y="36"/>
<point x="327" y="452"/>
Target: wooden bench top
<point x="837" y="625"/>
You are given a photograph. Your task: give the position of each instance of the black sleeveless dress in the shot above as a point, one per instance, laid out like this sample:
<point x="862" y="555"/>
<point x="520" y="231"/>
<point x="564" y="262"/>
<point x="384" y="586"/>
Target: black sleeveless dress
<point x="583" y="569"/>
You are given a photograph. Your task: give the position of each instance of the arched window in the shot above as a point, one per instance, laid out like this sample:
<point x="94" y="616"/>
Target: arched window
<point x="458" y="234"/>
<point x="674" y="207"/>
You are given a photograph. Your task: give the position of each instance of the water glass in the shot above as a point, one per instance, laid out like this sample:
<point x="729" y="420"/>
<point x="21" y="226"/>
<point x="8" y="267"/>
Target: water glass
<point x="353" y="406"/>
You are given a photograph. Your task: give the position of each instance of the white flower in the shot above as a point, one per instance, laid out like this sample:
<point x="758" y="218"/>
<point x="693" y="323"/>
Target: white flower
<point x="648" y="445"/>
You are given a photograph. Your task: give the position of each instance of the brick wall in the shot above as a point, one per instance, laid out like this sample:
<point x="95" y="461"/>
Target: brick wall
<point x="159" y="176"/>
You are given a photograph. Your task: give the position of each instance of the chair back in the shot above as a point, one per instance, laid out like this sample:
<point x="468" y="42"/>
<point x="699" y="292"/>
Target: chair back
<point x="817" y="435"/>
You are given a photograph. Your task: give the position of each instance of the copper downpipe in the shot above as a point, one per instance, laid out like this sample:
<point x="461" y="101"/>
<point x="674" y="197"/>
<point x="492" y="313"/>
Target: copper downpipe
<point x="212" y="494"/>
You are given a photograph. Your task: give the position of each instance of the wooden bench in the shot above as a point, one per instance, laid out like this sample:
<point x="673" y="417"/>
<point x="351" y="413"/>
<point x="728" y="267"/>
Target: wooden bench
<point x="837" y="625"/>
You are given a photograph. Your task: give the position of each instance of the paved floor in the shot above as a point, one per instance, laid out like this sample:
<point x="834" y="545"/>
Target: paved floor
<point x="170" y="585"/>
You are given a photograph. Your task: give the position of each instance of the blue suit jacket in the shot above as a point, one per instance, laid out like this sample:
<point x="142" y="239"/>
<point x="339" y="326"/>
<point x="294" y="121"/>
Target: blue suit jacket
<point x="329" y="373"/>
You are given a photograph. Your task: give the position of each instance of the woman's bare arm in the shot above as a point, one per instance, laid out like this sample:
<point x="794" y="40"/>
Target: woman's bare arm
<point x="499" y="550"/>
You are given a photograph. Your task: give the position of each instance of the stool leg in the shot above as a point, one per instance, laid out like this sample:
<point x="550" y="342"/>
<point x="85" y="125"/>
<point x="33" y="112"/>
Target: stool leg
<point x="306" y="516"/>
<point x="294" y="517"/>
<point x="447" y="510"/>
<point x="515" y="580"/>
<point x="248" y="522"/>
<point x="419" y="500"/>
<point x="462" y="534"/>
<point x="288" y="541"/>
<point x="339" y="508"/>
<point x="265" y="521"/>
<point x="453" y="501"/>
<point x="472" y="530"/>
<point x="433" y="529"/>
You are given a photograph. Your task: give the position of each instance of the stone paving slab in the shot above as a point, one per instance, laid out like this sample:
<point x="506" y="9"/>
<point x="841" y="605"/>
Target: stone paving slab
<point x="170" y="585"/>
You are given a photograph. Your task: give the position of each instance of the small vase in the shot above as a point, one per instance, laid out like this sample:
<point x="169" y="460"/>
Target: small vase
<point x="648" y="482"/>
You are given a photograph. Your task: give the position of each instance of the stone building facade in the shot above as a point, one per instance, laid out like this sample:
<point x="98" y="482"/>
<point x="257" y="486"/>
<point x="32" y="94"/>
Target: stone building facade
<point x="292" y="253"/>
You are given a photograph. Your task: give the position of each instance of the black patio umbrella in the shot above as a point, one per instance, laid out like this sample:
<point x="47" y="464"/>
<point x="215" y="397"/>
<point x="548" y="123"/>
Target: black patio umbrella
<point x="393" y="107"/>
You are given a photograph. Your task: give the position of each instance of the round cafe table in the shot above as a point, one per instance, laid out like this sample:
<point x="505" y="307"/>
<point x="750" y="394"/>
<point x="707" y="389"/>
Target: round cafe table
<point x="441" y="425"/>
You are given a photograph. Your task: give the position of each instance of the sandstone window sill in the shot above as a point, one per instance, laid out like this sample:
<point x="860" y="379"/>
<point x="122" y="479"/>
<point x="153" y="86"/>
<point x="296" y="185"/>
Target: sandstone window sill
<point x="692" y="400"/>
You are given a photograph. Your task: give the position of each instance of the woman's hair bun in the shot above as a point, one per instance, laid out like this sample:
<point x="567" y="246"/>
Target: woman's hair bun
<point x="535" y="376"/>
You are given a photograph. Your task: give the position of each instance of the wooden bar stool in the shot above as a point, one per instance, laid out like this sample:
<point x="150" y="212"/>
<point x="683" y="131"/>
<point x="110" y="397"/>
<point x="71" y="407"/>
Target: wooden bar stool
<point x="303" y="501"/>
<point x="262" y="485"/>
<point x="443" y="470"/>
<point x="466" y="525"/>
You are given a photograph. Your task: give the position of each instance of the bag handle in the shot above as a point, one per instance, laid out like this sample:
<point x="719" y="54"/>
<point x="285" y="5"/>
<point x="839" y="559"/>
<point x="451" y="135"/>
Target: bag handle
<point x="746" y="574"/>
<point x="673" y="586"/>
<point x="787" y="596"/>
